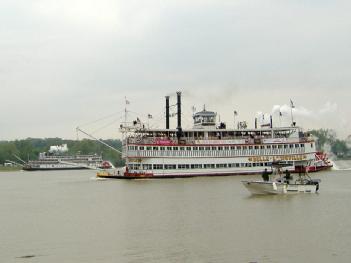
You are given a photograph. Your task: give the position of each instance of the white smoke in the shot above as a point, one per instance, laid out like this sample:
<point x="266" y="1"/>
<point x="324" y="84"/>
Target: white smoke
<point x="328" y="116"/>
<point x="58" y="148"/>
<point x="300" y="111"/>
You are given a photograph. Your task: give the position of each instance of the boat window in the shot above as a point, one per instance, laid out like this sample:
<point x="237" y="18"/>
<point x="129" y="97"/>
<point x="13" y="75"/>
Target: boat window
<point x="207" y="148"/>
<point x="274" y="146"/>
<point x="201" y="148"/>
<point x="158" y="166"/>
<point x="268" y="146"/>
<point x="162" y="148"/>
<point x="148" y="148"/>
<point x="250" y="147"/>
<point x="170" y="166"/>
<point x="232" y="147"/>
<point x="155" y="148"/>
<point x="169" y="148"/>
<point x="214" y="148"/>
<point x="238" y="148"/>
<point x="285" y="146"/>
<point x="302" y="145"/>
<point x="141" y="148"/>
<point x="256" y="147"/>
<point x="244" y="147"/>
<point x="311" y="145"/>
<point x="181" y="148"/>
<point x="280" y="146"/>
<point x="175" y="148"/>
<point x="291" y="146"/>
<point x="220" y="148"/>
<point x="147" y="166"/>
<point x="188" y="148"/>
<point x="297" y="145"/>
<point x="226" y="148"/>
<point x="195" y="148"/>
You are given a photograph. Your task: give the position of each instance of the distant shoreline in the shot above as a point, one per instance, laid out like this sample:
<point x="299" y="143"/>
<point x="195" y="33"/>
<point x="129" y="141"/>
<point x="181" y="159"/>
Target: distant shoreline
<point x="10" y="169"/>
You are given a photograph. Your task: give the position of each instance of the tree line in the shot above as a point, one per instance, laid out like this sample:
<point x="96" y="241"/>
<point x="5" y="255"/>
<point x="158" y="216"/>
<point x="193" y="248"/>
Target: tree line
<point x="29" y="149"/>
<point x="327" y="141"/>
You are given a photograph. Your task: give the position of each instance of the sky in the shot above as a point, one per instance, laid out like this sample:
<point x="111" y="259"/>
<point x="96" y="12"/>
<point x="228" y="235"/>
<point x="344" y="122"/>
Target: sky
<point x="71" y="63"/>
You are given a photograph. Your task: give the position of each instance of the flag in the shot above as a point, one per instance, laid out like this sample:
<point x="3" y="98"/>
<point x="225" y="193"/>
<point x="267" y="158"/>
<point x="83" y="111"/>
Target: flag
<point x="127" y="101"/>
<point x="235" y="113"/>
<point x="149" y="116"/>
<point x="292" y="104"/>
<point x="280" y="113"/>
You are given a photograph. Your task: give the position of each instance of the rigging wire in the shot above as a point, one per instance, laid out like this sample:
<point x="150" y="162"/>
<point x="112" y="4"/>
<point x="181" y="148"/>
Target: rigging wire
<point x="100" y="119"/>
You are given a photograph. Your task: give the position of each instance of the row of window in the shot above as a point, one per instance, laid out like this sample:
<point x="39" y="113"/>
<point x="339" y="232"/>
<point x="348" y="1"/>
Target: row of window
<point x="214" y="148"/>
<point x="196" y="166"/>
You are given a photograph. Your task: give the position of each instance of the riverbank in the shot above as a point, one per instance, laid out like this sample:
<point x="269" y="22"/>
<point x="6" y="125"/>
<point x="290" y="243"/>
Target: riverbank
<point x="10" y="168"/>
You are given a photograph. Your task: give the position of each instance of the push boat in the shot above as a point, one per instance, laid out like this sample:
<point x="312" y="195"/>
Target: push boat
<point x="209" y="148"/>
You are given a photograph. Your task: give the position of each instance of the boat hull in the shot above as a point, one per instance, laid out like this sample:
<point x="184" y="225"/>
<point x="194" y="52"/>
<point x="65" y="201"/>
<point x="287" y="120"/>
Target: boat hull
<point x="264" y="188"/>
<point x="53" y="169"/>
<point x="126" y="175"/>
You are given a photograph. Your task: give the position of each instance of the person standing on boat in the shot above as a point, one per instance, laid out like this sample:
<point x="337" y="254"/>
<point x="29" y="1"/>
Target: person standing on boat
<point x="265" y="175"/>
<point x="287" y="176"/>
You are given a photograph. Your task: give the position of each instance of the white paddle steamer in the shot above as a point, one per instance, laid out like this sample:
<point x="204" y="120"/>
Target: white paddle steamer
<point x="209" y="149"/>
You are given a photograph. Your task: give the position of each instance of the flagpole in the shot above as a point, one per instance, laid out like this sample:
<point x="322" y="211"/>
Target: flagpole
<point x="280" y="118"/>
<point x="125" y="111"/>
<point x="291" y="112"/>
<point x="235" y="114"/>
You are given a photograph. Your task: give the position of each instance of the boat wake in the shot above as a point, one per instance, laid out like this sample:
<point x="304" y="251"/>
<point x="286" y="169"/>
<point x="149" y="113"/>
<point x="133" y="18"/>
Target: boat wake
<point x="95" y="178"/>
<point x="341" y="166"/>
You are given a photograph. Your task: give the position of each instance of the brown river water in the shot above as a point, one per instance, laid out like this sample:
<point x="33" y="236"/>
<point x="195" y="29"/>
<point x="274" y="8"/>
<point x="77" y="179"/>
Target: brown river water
<point x="70" y="216"/>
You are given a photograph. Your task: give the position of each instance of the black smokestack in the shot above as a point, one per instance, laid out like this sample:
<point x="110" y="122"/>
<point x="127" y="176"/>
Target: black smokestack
<point x="179" y="110"/>
<point x="271" y="122"/>
<point x="255" y="123"/>
<point x="179" y="114"/>
<point x="167" y="112"/>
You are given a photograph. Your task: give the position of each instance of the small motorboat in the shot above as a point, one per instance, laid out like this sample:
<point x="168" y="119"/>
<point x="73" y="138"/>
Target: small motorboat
<point x="283" y="184"/>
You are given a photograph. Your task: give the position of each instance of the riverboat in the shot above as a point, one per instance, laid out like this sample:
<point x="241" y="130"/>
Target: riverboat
<point x="56" y="159"/>
<point x="209" y="148"/>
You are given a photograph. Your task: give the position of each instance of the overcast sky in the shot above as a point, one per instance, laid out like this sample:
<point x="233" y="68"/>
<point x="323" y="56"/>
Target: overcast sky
<point x="69" y="62"/>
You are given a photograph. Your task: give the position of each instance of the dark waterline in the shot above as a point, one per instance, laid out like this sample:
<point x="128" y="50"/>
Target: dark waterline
<point x="69" y="216"/>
